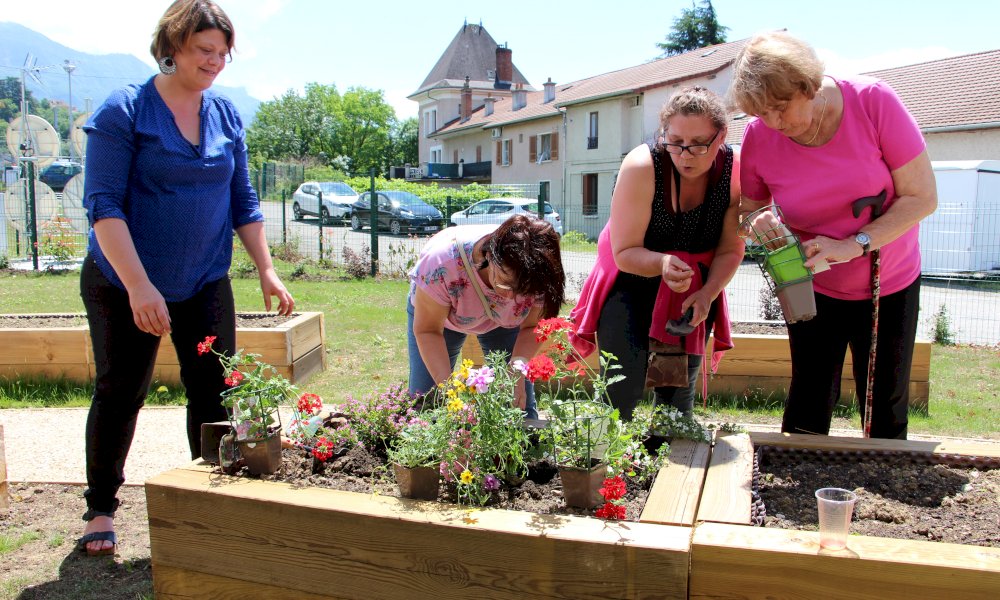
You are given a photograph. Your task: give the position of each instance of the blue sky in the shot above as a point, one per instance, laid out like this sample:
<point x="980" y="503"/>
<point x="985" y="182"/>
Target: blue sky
<point x="392" y="45"/>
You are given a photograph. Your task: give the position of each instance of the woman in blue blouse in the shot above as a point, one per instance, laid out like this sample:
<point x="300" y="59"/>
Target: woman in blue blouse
<point x="167" y="184"/>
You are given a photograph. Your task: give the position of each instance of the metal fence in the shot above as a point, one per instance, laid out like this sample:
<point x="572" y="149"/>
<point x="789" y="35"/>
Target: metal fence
<point x="961" y="275"/>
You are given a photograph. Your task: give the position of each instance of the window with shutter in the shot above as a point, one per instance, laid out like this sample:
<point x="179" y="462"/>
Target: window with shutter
<point x="532" y="148"/>
<point x="498" y="154"/>
<point x="555" y="146"/>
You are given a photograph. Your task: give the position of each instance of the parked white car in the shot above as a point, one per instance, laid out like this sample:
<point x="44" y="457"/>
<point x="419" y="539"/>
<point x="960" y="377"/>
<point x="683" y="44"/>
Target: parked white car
<point x="337" y="200"/>
<point x="498" y="210"/>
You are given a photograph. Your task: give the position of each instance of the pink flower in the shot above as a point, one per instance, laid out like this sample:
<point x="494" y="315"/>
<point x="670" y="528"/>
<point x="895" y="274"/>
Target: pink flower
<point x="206" y="346"/>
<point x="480" y="379"/>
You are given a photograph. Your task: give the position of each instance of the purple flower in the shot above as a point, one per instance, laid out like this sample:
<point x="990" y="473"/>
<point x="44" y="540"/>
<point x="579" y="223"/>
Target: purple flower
<point x="491" y="483"/>
<point x="480" y="379"/>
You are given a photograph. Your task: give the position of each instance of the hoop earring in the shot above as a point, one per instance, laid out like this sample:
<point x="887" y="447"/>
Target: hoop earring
<point x="167" y="65"/>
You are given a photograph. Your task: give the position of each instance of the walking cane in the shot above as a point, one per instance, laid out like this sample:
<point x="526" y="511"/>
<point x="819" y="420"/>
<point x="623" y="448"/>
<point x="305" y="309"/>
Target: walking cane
<point x="857" y="207"/>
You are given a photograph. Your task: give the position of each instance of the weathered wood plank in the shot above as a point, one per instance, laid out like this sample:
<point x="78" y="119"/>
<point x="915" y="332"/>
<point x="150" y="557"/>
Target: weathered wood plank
<point x="673" y="499"/>
<point x="43" y="345"/>
<point x="308" y="365"/>
<point x="726" y="497"/>
<point x="71" y="371"/>
<point x="825" y="442"/>
<point x="317" y="541"/>
<point x="4" y="497"/>
<point x="738" y="384"/>
<point x="734" y="561"/>
<point x="182" y="584"/>
<point x="305" y="332"/>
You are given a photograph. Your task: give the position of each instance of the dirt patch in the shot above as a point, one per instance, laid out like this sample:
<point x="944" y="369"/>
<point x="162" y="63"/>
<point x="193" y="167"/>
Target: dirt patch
<point x="897" y="497"/>
<point x="364" y="472"/>
<point x="43" y="524"/>
<point x="56" y="321"/>
<point x="759" y="328"/>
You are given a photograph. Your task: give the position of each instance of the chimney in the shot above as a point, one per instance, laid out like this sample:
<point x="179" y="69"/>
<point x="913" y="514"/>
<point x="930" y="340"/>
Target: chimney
<point x="505" y="68"/>
<point x="550" y="91"/>
<point x="465" y="109"/>
<point x="519" y="98"/>
<point x="488" y="105"/>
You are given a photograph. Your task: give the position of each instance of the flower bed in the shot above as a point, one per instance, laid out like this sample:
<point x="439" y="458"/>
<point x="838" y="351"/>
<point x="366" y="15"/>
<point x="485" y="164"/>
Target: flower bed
<point x="732" y="559"/>
<point x="59" y="346"/>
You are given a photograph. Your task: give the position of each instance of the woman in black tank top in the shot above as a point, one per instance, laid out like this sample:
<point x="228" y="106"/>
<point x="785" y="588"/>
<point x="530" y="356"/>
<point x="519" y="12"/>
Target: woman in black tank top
<point x="676" y="196"/>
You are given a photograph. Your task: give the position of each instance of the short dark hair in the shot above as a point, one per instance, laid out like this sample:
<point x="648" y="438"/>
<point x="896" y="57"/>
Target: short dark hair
<point x="185" y="18"/>
<point x="528" y="249"/>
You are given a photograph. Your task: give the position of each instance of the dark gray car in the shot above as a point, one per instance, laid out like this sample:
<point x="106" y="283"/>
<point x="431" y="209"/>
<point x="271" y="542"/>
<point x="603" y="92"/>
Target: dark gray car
<point x="398" y="212"/>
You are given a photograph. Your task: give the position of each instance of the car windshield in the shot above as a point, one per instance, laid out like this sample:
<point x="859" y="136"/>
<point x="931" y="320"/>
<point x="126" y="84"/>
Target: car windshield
<point x="336" y="188"/>
<point x="532" y="206"/>
<point x="405" y="199"/>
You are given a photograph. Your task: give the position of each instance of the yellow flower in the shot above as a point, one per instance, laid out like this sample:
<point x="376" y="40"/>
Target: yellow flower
<point x="162" y="389"/>
<point x="467" y="477"/>
<point x="455" y="405"/>
<point x="467" y="364"/>
<point x="451" y="393"/>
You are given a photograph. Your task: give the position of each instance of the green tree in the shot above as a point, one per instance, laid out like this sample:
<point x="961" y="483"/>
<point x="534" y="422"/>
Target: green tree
<point x="294" y="127"/>
<point x="10" y="98"/>
<point x="697" y="27"/>
<point x="365" y="122"/>
<point x="404" y="143"/>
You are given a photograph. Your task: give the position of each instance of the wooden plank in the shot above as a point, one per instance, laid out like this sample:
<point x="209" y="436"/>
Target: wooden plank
<point x="4" y="492"/>
<point x="850" y="444"/>
<point x="43" y="345"/>
<point x="362" y="546"/>
<point x="305" y="333"/>
<point x="673" y="499"/>
<point x="74" y="372"/>
<point x="308" y="365"/>
<point x="276" y="356"/>
<point x="182" y="584"/>
<point x="734" y="561"/>
<point x="726" y="497"/>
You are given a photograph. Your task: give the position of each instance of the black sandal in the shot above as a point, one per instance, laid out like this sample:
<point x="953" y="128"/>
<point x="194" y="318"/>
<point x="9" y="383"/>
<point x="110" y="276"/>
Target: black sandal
<point x="98" y="536"/>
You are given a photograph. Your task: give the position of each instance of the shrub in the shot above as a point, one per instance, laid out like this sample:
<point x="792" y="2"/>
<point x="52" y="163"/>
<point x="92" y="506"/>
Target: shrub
<point x="357" y="265"/>
<point x="770" y="308"/>
<point x="942" y="327"/>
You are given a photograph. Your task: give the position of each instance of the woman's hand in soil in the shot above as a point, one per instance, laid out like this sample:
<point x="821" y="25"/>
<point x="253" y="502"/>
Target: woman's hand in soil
<point x="676" y="273"/>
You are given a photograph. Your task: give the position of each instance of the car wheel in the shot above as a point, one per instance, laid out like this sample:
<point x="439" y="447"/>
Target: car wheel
<point x="296" y="211"/>
<point x="395" y="227"/>
<point x="355" y="222"/>
<point x="324" y="215"/>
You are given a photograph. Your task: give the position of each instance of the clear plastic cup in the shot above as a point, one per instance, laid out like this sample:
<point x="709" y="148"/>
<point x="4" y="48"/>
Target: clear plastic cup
<point x="836" y="506"/>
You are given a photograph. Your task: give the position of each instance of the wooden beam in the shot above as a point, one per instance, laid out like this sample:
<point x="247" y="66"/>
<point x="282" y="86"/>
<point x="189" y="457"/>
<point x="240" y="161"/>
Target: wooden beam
<point x="171" y="583"/>
<point x="851" y="444"/>
<point x="315" y="541"/>
<point x="4" y="492"/>
<point x="727" y="495"/>
<point x="737" y="561"/>
<point x="673" y="499"/>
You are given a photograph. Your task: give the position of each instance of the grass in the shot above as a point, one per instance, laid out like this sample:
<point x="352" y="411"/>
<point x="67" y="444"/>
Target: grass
<point x="9" y="543"/>
<point x="366" y="351"/>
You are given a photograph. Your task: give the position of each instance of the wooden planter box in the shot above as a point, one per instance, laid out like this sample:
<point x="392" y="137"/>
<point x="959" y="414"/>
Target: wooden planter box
<point x="4" y="498"/>
<point x="763" y="362"/>
<point x="296" y="348"/>
<point x="218" y="536"/>
<point x="731" y="559"/>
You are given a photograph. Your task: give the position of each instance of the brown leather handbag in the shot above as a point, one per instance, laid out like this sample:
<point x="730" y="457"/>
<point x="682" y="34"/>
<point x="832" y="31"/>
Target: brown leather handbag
<point x="667" y="365"/>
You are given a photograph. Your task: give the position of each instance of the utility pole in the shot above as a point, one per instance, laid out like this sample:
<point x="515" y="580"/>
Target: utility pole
<point x="69" y="67"/>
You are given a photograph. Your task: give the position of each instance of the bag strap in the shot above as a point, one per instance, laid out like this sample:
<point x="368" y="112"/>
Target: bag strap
<point x="474" y="278"/>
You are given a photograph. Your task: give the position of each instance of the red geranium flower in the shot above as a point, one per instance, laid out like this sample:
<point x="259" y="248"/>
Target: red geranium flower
<point x="540" y="368"/>
<point x="323" y="449"/>
<point x="234" y="378"/>
<point x="206" y="346"/>
<point x="614" y="488"/>
<point x="547" y="327"/>
<point x="610" y="511"/>
<point x="310" y="403"/>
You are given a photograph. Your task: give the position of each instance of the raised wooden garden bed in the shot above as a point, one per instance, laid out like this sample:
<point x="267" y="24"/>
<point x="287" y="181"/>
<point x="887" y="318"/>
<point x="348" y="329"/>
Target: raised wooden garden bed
<point x="4" y="498"/>
<point x="732" y="559"/>
<point x="296" y="348"/>
<point x="219" y="536"/>
<point x="763" y="362"/>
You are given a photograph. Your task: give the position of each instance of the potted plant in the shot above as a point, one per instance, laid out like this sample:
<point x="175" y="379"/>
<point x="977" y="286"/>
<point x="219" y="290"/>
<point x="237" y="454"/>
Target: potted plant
<point x="256" y="391"/>
<point x="585" y="431"/>
<point x="416" y="456"/>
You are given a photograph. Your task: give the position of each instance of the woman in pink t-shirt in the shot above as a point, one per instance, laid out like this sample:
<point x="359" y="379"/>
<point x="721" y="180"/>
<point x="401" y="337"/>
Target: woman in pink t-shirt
<point x="818" y="145"/>
<point x="518" y="269"/>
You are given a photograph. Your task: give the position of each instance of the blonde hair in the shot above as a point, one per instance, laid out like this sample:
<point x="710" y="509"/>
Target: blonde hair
<point x="185" y="18"/>
<point x="771" y="68"/>
<point x="694" y="101"/>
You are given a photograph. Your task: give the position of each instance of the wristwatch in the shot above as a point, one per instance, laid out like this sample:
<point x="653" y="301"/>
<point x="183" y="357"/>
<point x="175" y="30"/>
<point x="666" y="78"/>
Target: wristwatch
<point x="865" y="240"/>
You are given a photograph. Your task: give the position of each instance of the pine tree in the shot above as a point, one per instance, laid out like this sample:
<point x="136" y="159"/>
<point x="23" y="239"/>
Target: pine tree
<point x="697" y="27"/>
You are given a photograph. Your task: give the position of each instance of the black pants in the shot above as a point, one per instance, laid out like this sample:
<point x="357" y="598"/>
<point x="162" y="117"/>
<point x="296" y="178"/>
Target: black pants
<point x="818" y="349"/>
<point x="623" y="330"/>
<point x="124" y="358"/>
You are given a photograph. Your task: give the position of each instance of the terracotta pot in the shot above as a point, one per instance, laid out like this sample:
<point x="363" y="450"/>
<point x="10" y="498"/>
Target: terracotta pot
<point x="261" y="457"/>
<point x="581" y="486"/>
<point x="211" y="436"/>
<point x="420" y="483"/>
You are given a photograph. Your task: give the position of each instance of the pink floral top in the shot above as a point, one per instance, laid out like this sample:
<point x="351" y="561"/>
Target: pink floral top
<point x="440" y="273"/>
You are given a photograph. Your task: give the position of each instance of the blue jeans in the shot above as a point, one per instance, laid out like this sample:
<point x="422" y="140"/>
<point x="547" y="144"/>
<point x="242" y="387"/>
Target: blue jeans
<point x="501" y="338"/>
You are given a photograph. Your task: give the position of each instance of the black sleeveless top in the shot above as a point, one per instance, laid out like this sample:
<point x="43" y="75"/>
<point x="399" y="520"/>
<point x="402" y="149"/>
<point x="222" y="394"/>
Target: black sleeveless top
<point x="696" y="230"/>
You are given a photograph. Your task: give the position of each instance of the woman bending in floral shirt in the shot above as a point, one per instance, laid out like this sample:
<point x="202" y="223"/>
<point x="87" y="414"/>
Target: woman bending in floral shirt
<point x="492" y="281"/>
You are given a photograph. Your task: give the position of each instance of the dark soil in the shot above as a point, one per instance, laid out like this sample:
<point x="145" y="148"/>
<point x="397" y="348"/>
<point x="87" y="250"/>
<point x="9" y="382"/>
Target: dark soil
<point x="897" y="498"/>
<point x="760" y="327"/>
<point x="52" y="321"/>
<point x="364" y="472"/>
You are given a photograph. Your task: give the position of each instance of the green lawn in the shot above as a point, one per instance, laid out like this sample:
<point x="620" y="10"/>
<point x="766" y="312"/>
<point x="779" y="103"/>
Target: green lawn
<point x="366" y="351"/>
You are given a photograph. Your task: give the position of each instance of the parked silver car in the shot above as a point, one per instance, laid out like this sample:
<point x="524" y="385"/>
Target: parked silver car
<point x="498" y="210"/>
<point x="337" y="200"/>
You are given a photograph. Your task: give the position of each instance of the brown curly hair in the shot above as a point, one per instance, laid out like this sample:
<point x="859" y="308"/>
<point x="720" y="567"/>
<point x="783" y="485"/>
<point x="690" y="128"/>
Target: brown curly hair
<point x="528" y="249"/>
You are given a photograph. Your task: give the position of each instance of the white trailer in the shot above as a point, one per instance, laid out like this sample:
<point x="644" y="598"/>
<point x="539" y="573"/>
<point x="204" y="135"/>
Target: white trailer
<point x="963" y="234"/>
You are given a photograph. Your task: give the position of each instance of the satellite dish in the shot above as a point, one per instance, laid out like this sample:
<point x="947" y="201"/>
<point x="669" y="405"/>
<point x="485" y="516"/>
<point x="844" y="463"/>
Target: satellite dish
<point x="72" y="204"/>
<point x="38" y="138"/>
<point x="77" y="136"/>
<point x="16" y="204"/>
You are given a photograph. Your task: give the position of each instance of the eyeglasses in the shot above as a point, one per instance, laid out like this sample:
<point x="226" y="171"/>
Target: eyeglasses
<point x="694" y="149"/>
